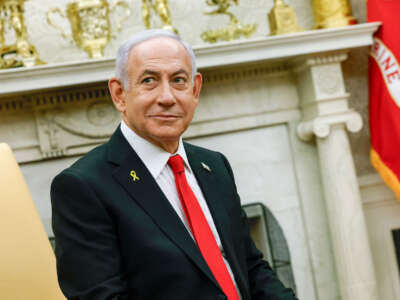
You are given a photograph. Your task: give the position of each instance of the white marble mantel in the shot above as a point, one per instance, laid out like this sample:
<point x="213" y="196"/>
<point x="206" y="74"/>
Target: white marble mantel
<point x="223" y="54"/>
<point x="260" y="95"/>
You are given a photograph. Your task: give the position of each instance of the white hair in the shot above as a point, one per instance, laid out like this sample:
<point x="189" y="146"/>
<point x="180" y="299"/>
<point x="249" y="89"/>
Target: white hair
<point x="121" y="63"/>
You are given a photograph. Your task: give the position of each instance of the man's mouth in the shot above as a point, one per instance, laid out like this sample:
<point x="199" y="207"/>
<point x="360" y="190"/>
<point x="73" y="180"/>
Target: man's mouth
<point x="166" y="117"/>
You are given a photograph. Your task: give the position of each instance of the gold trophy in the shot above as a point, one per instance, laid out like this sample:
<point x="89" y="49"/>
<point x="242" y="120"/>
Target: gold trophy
<point x="282" y="19"/>
<point x="90" y="23"/>
<point x="332" y="13"/>
<point x="234" y="30"/>
<point x="21" y="53"/>
<point x="160" y="7"/>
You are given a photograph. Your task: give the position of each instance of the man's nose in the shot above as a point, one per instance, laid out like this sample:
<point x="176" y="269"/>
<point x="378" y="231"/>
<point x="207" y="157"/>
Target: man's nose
<point x="166" y="96"/>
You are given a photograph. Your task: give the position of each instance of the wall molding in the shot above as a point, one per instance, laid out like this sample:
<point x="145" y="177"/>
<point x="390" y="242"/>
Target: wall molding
<point x="374" y="191"/>
<point x="246" y="73"/>
<point x="60" y="98"/>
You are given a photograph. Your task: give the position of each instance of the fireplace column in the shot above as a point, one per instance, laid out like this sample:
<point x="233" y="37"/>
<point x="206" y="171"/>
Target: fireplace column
<point x="327" y="117"/>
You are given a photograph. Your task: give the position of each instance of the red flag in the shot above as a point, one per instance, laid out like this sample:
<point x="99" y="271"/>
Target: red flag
<point x="384" y="91"/>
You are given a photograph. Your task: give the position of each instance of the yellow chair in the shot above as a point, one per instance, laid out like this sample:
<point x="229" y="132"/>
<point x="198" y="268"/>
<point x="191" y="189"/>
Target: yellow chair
<point x="27" y="262"/>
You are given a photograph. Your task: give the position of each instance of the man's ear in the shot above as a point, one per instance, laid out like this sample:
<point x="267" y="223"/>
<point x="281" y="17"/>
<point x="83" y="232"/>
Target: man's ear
<point x="117" y="94"/>
<point x="197" y="83"/>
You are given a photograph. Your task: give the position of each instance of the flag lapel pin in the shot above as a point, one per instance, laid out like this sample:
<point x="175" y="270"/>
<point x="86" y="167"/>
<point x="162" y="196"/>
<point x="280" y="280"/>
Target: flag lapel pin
<point x="206" y="167"/>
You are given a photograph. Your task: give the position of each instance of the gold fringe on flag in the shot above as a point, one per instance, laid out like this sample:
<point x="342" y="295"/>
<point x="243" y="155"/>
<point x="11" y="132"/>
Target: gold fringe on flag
<point x="387" y="175"/>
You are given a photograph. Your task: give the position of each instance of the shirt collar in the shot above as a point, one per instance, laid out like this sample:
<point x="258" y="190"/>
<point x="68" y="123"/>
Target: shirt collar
<point x="153" y="157"/>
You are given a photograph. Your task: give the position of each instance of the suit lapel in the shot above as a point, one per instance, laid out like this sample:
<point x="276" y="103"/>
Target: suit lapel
<point x="146" y="192"/>
<point x="211" y="189"/>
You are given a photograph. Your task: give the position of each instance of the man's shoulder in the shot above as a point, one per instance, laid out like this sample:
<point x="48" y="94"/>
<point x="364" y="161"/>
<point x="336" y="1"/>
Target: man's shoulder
<point x="91" y="163"/>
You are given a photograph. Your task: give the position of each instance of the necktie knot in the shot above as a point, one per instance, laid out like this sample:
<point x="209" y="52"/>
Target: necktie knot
<point x="176" y="164"/>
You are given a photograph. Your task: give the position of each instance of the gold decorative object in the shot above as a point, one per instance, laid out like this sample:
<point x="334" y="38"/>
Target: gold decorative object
<point x="332" y="13"/>
<point x="134" y="176"/>
<point x="160" y="7"/>
<point x="21" y="53"/>
<point x="90" y="23"/>
<point x="234" y="30"/>
<point x="282" y="19"/>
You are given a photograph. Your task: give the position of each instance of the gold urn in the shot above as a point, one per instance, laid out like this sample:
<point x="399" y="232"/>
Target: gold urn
<point x="332" y="13"/>
<point x="90" y="23"/>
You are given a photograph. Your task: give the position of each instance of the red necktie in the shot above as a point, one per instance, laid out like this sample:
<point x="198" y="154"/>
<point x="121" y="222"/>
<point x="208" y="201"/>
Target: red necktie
<point x="201" y="229"/>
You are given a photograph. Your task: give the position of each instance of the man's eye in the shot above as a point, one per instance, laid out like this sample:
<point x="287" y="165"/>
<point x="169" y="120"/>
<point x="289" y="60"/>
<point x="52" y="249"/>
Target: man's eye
<point x="179" y="80"/>
<point x="148" y="80"/>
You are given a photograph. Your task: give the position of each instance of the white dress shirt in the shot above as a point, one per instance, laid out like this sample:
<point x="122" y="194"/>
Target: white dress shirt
<point x="156" y="161"/>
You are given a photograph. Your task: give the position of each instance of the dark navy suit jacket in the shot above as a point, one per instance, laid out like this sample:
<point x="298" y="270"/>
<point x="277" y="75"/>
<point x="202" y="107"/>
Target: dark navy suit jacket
<point x="117" y="238"/>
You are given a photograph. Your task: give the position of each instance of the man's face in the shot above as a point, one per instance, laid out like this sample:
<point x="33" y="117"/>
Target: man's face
<point x="162" y="96"/>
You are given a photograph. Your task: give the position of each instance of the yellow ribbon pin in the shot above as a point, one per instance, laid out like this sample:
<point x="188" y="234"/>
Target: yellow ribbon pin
<point x="134" y="176"/>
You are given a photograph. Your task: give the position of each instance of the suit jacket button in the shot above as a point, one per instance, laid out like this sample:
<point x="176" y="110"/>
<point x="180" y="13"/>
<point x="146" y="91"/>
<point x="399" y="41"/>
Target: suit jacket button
<point x="221" y="297"/>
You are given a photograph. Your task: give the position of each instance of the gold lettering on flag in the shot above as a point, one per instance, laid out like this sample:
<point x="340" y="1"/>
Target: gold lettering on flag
<point x="389" y="67"/>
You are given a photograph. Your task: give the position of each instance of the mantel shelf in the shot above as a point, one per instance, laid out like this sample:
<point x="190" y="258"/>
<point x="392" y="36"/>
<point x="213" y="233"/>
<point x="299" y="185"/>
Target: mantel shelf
<point x="22" y="80"/>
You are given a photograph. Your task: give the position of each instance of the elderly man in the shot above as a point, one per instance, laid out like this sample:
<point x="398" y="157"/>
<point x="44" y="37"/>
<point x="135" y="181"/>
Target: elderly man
<point x="146" y="215"/>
